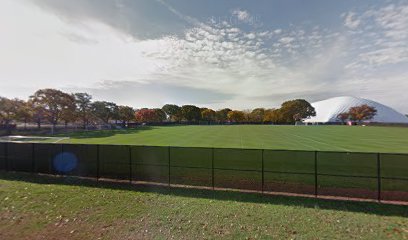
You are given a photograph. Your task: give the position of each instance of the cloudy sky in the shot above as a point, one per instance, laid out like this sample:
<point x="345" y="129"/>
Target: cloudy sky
<point x="217" y="53"/>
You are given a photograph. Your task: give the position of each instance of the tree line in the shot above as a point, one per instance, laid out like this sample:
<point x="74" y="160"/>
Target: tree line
<point x="54" y="107"/>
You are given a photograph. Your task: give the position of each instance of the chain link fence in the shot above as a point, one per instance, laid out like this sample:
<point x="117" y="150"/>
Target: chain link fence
<point x="379" y="176"/>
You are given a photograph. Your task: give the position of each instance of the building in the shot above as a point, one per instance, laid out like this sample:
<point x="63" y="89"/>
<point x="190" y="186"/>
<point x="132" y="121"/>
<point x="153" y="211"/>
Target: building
<point x="328" y="110"/>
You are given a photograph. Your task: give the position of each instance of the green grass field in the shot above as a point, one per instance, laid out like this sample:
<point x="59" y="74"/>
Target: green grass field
<point x="328" y="138"/>
<point x="40" y="207"/>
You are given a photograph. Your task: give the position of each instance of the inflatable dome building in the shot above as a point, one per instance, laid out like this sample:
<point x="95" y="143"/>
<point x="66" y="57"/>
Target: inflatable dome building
<point x="328" y="110"/>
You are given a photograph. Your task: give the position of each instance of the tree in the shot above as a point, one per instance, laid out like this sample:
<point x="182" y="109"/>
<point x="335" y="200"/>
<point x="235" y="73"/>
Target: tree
<point x="38" y="113"/>
<point x="273" y="115"/>
<point x="296" y="110"/>
<point x="222" y="114"/>
<point x="173" y="112"/>
<point x="105" y="111"/>
<point x="146" y="115"/>
<point x="362" y="113"/>
<point x="126" y="114"/>
<point x="208" y="115"/>
<point x="8" y="111"/>
<point x="247" y="115"/>
<point x="343" y="116"/>
<point x="69" y="113"/>
<point x="257" y="115"/>
<point x="24" y="112"/>
<point x="53" y="102"/>
<point x="236" y="116"/>
<point x="83" y="102"/>
<point x="191" y="113"/>
<point x="160" y="115"/>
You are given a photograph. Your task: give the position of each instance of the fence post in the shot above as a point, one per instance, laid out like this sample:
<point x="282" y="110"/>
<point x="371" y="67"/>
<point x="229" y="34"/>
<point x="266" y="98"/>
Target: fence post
<point x="169" y="166"/>
<point x="212" y="169"/>
<point x="315" y="173"/>
<point x="33" y="158"/>
<point x="97" y="162"/>
<point x="6" y="157"/>
<point x="263" y="177"/>
<point x="379" y="177"/>
<point x="57" y="171"/>
<point x="130" y="164"/>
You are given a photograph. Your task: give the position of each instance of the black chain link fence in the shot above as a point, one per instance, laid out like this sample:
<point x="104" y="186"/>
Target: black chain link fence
<point x="379" y="176"/>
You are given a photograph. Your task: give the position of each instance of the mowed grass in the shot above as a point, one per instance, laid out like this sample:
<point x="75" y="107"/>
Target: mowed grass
<point x="324" y="138"/>
<point x="40" y="207"/>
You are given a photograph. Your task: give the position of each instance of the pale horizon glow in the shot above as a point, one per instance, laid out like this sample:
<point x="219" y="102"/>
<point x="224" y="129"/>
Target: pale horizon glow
<point x="222" y="54"/>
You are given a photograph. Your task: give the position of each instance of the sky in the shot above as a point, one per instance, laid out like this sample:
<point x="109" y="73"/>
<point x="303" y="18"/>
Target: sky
<point x="217" y="53"/>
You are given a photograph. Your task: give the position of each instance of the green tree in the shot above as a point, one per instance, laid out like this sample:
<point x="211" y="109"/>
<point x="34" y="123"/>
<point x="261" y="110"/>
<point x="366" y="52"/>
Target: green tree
<point x="208" y="115"/>
<point x="296" y="110"/>
<point x="126" y="114"/>
<point x="8" y="111"/>
<point x="257" y="115"/>
<point x="105" y="111"/>
<point x="236" y="116"/>
<point x="222" y="115"/>
<point x="24" y="112"/>
<point x="38" y="113"/>
<point x="69" y="113"/>
<point x="160" y="114"/>
<point x="191" y="113"/>
<point x="53" y="102"/>
<point x="173" y="112"/>
<point x="83" y="102"/>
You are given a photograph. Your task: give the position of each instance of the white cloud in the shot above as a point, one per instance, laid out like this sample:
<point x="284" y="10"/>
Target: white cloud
<point x="286" y="40"/>
<point x="216" y="57"/>
<point x="350" y="20"/>
<point x="384" y="35"/>
<point x="242" y="15"/>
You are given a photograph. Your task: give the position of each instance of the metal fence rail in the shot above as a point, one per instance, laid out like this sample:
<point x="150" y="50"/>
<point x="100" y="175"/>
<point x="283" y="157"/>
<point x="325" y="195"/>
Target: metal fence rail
<point x="379" y="176"/>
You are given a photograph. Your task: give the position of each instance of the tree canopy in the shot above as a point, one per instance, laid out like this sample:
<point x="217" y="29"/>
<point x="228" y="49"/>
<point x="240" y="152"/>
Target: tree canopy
<point x="53" y="102"/>
<point x="359" y="113"/>
<point x="296" y="110"/>
<point x="191" y="113"/>
<point x="173" y="112"/>
<point x="236" y="116"/>
<point x="104" y="110"/>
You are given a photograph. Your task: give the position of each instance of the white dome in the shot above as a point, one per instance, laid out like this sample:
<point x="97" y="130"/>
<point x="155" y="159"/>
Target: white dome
<point x="328" y="110"/>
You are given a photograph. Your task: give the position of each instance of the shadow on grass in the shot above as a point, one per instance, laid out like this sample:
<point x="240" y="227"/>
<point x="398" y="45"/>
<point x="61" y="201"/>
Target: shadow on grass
<point x="338" y="205"/>
<point x="104" y="133"/>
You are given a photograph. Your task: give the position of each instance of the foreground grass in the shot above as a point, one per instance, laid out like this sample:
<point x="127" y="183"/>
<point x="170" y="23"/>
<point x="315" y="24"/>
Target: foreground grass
<point x="34" y="207"/>
<point x="325" y="138"/>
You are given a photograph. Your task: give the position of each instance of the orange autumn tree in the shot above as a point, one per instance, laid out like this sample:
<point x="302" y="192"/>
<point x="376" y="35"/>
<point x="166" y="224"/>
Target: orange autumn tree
<point x="362" y="113"/>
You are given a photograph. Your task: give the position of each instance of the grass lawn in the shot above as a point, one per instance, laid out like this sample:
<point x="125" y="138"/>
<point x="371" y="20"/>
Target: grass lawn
<point x="330" y="138"/>
<point x="39" y="207"/>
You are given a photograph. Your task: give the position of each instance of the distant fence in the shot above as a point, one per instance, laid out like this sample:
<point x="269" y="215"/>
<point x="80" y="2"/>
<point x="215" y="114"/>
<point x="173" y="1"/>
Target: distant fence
<point x="379" y="176"/>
